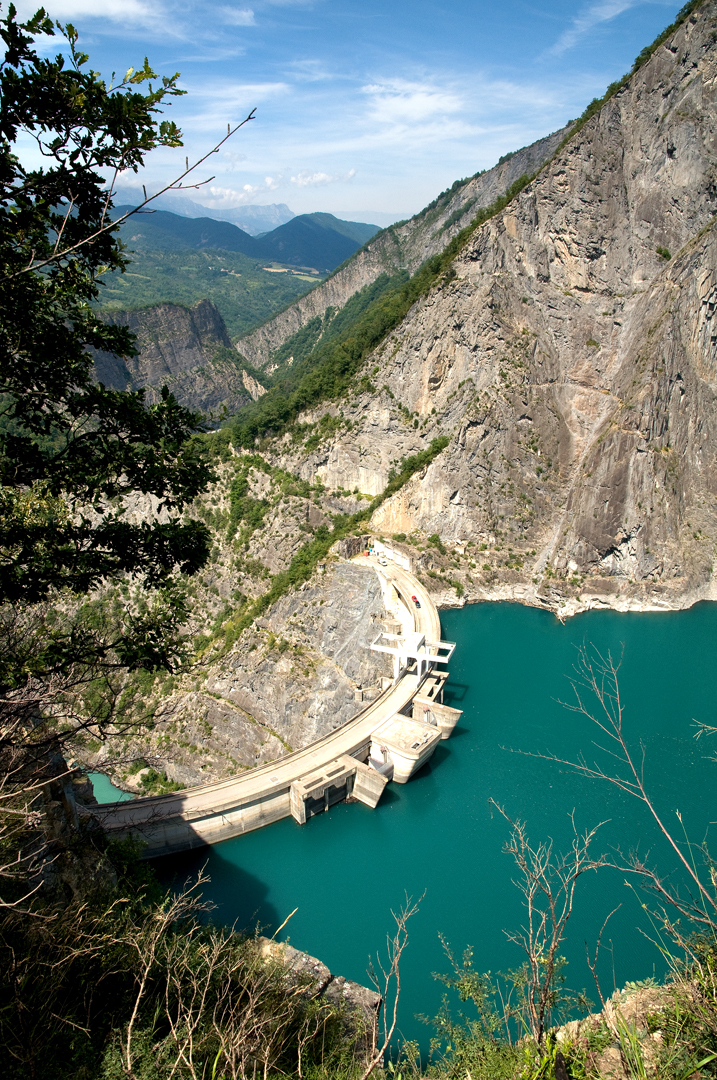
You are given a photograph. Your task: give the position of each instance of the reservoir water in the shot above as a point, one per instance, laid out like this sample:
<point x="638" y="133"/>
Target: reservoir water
<point x="105" y="790"/>
<point x="345" y="870"/>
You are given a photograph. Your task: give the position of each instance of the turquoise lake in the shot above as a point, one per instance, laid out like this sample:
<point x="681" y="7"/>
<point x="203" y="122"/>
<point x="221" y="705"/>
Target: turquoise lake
<point x="345" y="870"/>
<point x="105" y="790"/>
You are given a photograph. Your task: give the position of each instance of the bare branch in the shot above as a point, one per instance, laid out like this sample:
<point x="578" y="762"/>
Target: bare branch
<point x="547" y="882"/>
<point x="64" y="223"/>
<point x="390" y="981"/>
<point x="175" y="185"/>
<point x="597" y="675"/>
<point x="592" y="963"/>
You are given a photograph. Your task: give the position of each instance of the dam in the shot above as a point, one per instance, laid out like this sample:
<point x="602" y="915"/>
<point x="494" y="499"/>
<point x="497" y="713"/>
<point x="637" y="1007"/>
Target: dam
<point x="438" y="834"/>
<point x="390" y="739"/>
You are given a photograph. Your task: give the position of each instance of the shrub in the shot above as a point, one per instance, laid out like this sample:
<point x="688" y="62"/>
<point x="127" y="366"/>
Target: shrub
<point x="435" y="541"/>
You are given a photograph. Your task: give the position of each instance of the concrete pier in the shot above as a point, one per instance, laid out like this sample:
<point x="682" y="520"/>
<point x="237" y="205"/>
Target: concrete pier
<point x="391" y="737"/>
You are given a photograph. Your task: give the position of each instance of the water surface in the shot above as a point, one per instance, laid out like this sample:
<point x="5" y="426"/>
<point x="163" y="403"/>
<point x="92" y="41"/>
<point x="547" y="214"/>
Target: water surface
<point x="345" y="870"/>
<point x="105" y="790"/>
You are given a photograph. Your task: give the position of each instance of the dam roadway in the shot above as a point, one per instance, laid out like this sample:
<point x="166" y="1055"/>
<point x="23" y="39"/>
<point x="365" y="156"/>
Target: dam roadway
<point x="330" y="769"/>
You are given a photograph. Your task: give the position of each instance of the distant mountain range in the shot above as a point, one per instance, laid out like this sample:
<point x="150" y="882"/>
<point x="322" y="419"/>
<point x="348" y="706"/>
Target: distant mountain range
<point x="252" y="219"/>
<point x="317" y="241"/>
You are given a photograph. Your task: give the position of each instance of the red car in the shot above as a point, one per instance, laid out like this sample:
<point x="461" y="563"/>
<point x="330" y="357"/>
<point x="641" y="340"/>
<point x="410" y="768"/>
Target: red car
<point x="416" y="601"/>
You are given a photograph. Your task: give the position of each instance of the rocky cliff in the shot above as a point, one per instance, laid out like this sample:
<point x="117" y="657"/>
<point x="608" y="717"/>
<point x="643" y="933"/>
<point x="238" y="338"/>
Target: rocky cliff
<point x="401" y="247"/>
<point x="188" y="349"/>
<point x="572" y="359"/>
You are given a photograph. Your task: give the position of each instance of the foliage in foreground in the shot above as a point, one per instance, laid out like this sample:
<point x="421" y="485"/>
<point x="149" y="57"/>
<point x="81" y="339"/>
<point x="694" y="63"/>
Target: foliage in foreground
<point x="72" y="451"/>
<point x="133" y="984"/>
<point x="76" y="458"/>
<point x="129" y="983"/>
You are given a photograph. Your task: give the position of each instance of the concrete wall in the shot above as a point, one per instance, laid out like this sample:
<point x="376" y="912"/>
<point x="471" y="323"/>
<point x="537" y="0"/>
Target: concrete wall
<point x="205" y="815"/>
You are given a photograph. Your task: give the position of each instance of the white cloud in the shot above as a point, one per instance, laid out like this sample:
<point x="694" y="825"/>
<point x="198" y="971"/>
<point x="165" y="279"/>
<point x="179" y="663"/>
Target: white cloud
<point x="320" y="179"/>
<point x="399" y="101"/>
<point x="587" y="19"/>
<point x="132" y="12"/>
<point x="213" y="105"/>
<point x="226" y="198"/>
<point x="238" y="16"/>
<point x="310" y="71"/>
<point x="226" y="96"/>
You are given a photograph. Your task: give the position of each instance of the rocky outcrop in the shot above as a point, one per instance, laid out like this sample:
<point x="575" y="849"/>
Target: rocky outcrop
<point x="633" y="1031"/>
<point x="359" y="1005"/>
<point x="573" y="362"/>
<point x="186" y="349"/>
<point x="252" y="386"/>
<point x="401" y="247"/>
<point x="289" y="680"/>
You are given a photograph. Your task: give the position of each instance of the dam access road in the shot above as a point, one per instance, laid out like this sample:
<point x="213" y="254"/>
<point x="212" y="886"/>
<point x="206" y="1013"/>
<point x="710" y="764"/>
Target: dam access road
<point x="390" y="738"/>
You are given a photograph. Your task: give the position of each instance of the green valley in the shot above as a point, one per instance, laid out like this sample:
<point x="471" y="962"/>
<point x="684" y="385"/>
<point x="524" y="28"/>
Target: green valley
<point x="244" y="292"/>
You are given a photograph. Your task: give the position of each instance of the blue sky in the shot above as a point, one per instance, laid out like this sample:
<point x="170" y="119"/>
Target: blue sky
<point x="363" y="107"/>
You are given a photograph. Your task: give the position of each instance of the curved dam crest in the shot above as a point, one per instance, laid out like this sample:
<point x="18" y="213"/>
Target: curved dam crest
<point x="390" y="739"/>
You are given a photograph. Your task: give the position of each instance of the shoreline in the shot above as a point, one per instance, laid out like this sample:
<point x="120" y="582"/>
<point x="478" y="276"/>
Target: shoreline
<point x="565" y="607"/>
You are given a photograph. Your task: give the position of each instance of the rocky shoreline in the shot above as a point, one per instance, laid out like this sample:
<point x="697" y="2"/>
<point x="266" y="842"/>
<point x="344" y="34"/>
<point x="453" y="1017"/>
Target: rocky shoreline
<point x="566" y="607"/>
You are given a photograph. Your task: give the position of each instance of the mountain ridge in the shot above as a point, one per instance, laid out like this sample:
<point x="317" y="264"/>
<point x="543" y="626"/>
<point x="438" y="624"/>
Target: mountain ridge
<point x="253" y="218"/>
<point x="305" y="240"/>
<point x="403" y="246"/>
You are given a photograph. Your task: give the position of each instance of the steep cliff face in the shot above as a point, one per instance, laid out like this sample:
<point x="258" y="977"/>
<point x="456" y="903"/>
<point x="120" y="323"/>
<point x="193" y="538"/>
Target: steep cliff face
<point x="402" y="247"/>
<point x="178" y="347"/>
<point x="573" y="364"/>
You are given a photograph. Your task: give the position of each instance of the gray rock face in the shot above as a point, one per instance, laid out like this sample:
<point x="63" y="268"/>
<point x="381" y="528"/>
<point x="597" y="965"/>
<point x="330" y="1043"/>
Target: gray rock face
<point x="177" y="347"/>
<point x="283" y="685"/>
<point x="572" y="364"/>
<point x="341" y="612"/>
<point x="403" y="246"/>
<point x="297" y="675"/>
